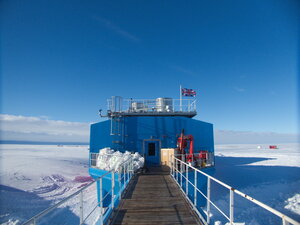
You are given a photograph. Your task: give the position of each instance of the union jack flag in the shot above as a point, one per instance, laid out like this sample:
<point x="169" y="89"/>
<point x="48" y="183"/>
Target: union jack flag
<point x="188" y="92"/>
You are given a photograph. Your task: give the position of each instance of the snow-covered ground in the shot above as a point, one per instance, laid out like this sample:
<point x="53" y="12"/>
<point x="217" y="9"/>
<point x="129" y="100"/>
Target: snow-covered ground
<point x="272" y="176"/>
<point x="33" y="177"/>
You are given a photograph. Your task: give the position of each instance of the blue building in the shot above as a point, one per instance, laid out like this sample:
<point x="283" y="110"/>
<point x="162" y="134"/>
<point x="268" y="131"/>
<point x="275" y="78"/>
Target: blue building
<point x="147" y="127"/>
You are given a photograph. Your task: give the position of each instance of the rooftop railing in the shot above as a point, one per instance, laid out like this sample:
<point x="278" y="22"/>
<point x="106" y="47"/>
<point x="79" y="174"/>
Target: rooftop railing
<point x="159" y="105"/>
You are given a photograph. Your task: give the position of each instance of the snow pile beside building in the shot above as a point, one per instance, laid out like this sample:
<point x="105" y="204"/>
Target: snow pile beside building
<point x="108" y="159"/>
<point x="293" y="204"/>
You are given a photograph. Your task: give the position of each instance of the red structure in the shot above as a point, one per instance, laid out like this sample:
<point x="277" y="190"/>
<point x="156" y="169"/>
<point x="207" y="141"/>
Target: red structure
<point x="182" y="143"/>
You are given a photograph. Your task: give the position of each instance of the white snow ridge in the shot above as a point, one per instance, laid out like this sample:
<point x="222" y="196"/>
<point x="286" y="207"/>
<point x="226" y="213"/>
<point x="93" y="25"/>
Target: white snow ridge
<point x="293" y="204"/>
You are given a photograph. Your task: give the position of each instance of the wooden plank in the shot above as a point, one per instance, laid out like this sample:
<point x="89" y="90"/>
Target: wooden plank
<point x="154" y="198"/>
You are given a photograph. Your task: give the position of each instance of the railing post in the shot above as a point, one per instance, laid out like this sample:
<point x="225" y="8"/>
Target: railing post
<point x="186" y="180"/>
<point x="174" y="164"/>
<point x="112" y="188"/>
<point x="174" y="167"/>
<point x="195" y="188"/>
<point x="284" y="222"/>
<point x="171" y="163"/>
<point x="177" y="169"/>
<point x="181" y="174"/>
<point x="120" y="184"/>
<point x="129" y="165"/>
<point x="208" y="201"/>
<point x="131" y="169"/>
<point x="231" y="206"/>
<point x="124" y="178"/>
<point x="127" y="172"/>
<point x="34" y="221"/>
<point x="101" y="201"/>
<point x="81" y="207"/>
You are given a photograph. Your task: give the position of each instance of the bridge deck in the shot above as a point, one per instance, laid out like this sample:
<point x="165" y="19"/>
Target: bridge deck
<point x="154" y="198"/>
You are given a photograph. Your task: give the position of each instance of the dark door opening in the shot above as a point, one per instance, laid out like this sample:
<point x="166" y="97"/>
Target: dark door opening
<point x="151" y="149"/>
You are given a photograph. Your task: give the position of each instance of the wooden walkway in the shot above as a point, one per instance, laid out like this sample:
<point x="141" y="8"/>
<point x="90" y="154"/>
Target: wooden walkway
<point x="154" y="198"/>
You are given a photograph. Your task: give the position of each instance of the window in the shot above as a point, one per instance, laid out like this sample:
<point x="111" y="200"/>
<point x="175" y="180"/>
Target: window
<point x="151" y="149"/>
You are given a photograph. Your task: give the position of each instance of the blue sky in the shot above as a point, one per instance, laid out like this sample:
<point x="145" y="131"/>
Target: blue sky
<point x="62" y="59"/>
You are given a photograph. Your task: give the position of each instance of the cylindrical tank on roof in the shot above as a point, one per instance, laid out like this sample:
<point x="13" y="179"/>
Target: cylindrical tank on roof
<point x="138" y="107"/>
<point x="164" y="104"/>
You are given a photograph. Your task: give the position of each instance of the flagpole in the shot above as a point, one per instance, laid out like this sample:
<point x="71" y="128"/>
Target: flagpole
<point x="180" y="95"/>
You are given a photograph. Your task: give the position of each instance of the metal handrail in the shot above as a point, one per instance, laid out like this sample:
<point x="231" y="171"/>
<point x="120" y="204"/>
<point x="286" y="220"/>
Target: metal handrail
<point x="148" y="105"/>
<point x="127" y="169"/>
<point x="174" y="173"/>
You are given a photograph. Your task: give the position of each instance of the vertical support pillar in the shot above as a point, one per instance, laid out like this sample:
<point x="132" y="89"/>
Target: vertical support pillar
<point x="124" y="177"/>
<point x="208" y="201"/>
<point x="231" y="206"/>
<point x="112" y="189"/>
<point x="175" y="169"/>
<point x="101" y="200"/>
<point x="130" y="169"/>
<point x="180" y="174"/>
<point x="171" y="164"/>
<point x="127" y="172"/>
<point x="120" y="184"/>
<point x="187" y="180"/>
<point x="195" y="188"/>
<point x="81" y="207"/>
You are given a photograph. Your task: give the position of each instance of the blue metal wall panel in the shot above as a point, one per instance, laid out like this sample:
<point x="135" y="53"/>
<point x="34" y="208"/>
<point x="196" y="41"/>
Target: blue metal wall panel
<point x="167" y="129"/>
<point x="100" y="136"/>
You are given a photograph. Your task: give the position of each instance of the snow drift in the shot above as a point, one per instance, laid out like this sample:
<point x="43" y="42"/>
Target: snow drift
<point x="109" y="159"/>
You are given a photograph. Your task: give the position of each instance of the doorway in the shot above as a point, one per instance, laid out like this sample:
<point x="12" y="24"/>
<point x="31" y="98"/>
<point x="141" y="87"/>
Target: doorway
<point x="152" y="152"/>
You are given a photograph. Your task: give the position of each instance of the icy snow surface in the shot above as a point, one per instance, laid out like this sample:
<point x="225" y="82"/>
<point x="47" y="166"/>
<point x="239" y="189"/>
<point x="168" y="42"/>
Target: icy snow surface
<point x="272" y="176"/>
<point x="34" y="177"/>
<point x="108" y="159"/>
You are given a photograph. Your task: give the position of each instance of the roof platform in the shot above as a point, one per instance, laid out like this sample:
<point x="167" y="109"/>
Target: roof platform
<point x="127" y="114"/>
<point x="154" y="198"/>
<point x="119" y="107"/>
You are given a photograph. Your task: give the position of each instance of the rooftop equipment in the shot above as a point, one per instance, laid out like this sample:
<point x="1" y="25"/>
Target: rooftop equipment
<point x="138" y="107"/>
<point x="164" y="105"/>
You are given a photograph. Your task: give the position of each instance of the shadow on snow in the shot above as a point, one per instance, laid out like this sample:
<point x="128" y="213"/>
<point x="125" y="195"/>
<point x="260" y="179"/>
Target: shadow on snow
<point x="16" y="204"/>
<point x="272" y="185"/>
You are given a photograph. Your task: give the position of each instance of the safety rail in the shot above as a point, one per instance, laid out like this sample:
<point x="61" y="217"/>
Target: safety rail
<point x="180" y="172"/>
<point x="118" y="104"/>
<point x="114" y="195"/>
